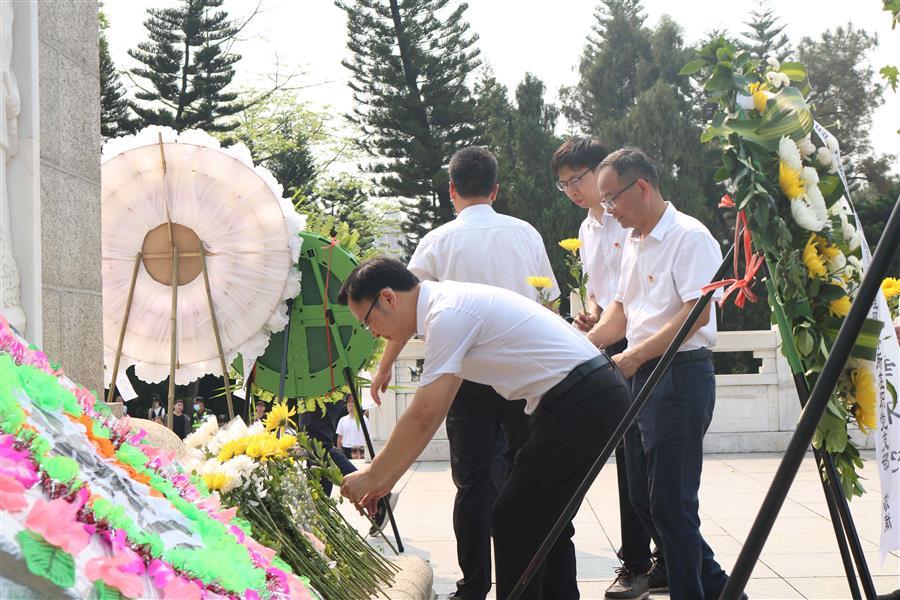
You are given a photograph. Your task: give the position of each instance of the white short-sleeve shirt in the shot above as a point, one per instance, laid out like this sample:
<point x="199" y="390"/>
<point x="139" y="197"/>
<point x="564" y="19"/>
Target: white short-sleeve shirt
<point x="602" y="244"/>
<point x="492" y="336"/>
<point x="663" y="271"/>
<point x="351" y="433"/>
<point x="482" y="246"/>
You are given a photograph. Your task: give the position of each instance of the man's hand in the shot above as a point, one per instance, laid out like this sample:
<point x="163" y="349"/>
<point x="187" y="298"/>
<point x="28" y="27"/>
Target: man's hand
<point x="363" y="491"/>
<point x="584" y="321"/>
<point x="380" y="381"/>
<point x="628" y="362"/>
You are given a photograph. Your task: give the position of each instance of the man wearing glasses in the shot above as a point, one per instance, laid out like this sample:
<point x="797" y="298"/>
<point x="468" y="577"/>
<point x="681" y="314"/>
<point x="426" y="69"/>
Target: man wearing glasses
<point x="602" y="240"/>
<point x="495" y="337"/>
<point x="668" y="257"/>
<point x="479" y="246"/>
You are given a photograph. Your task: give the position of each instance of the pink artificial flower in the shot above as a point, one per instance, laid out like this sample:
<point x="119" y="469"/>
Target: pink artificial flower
<point x="182" y="589"/>
<point x="251" y="594"/>
<point x="225" y="516"/>
<point x="211" y="502"/>
<point x="12" y="494"/>
<point x="263" y="553"/>
<point x="16" y="463"/>
<point x="56" y="522"/>
<point x="161" y="572"/>
<point x="238" y="533"/>
<point x="108" y="569"/>
<point x="297" y="589"/>
<point x="85" y="398"/>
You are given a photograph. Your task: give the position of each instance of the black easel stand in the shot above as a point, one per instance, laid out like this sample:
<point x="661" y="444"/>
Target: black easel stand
<point x="348" y="378"/>
<point x="636" y="406"/>
<point x="814" y="409"/>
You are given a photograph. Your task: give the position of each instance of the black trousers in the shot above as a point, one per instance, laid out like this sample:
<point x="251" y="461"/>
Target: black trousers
<point x="473" y="430"/>
<point x="567" y="434"/>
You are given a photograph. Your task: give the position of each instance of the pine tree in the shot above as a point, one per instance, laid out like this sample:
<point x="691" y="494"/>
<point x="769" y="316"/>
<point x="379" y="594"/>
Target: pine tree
<point x="766" y="35"/>
<point x="411" y="61"/>
<point x="187" y="68"/>
<point x="114" y="110"/>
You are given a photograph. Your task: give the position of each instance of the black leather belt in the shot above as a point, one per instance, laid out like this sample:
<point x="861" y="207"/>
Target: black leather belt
<point x="680" y="357"/>
<point x="576" y="375"/>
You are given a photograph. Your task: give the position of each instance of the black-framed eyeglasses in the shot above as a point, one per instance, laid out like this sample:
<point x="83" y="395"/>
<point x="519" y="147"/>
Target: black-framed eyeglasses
<point x="571" y="181"/>
<point x="365" y="321"/>
<point x="610" y="203"/>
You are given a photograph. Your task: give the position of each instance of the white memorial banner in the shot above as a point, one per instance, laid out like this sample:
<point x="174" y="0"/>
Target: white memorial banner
<point x="887" y="379"/>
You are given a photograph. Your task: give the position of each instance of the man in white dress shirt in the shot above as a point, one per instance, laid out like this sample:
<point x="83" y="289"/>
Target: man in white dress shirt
<point x="575" y="164"/>
<point x="575" y="395"/>
<point x="668" y="257"/>
<point x="479" y="246"/>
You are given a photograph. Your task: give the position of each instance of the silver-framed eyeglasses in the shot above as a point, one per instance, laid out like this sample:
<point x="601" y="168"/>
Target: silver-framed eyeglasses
<point x="610" y="203"/>
<point x="571" y="181"/>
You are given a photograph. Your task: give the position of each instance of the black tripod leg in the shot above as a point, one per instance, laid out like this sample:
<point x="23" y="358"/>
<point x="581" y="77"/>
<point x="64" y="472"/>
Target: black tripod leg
<point x="348" y="377"/>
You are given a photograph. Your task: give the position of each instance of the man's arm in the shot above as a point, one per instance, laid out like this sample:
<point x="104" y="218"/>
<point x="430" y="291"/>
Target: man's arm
<point x="413" y="431"/>
<point x="631" y="359"/>
<point x="382" y="376"/>
<point x="610" y="328"/>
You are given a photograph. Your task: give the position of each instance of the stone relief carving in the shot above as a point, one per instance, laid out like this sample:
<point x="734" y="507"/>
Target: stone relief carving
<point x="10" y="299"/>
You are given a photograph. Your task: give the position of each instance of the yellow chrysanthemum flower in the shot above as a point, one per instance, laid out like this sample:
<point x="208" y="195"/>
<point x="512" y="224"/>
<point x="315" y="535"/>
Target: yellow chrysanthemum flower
<point x="828" y="250"/>
<point x="571" y="244"/>
<point x="890" y="287"/>
<point x="286" y="442"/>
<point x="815" y="266"/>
<point x="539" y="283"/>
<point x="263" y="446"/>
<point x="233" y="448"/>
<point x="864" y="394"/>
<point x="790" y="181"/>
<point x="280" y="416"/>
<point x="840" y="307"/>
<point x="215" y="481"/>
<point x="759" y="98"/>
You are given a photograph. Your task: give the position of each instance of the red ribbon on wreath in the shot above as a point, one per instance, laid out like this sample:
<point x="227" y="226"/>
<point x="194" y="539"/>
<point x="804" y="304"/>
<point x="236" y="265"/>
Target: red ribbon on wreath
<point x="753" y="261"/>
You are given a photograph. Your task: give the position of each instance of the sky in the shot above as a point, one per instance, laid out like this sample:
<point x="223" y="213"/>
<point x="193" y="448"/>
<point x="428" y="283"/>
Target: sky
<point x="309" y="36"/>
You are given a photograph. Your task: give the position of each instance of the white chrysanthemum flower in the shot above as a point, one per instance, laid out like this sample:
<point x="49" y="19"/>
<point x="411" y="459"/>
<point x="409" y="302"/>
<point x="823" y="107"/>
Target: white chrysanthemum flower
<point x="257" y="427"/>
<point x="790" y="154"/>
<point x="745" y="101"/>
<point x="809" y="213"/>
<point x="806" y="147"/>
<point x="784" y="79"/>
<point x="809" y="176"/>
<point x="837" y="262"/>
<point x="242" y="464"/>
<point x="203" y="434"/>
<point x="773" y="62"/>
<point x="824" y="156"/>
<point x="773" y="79"/>
<point x="832" y="143"/>
<point x="841" y="207"/>
<point x="233" y="480"/>
<point x="854" y="264"/>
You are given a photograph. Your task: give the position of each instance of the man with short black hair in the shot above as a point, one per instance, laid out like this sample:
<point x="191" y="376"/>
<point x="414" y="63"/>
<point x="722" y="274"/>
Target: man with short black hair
<point x="181" y="425"/>
<point x="668" y="257"/>
<point x="492" y="336"/>
<point x="479" y="246"/>
<point x="575" y="164"/>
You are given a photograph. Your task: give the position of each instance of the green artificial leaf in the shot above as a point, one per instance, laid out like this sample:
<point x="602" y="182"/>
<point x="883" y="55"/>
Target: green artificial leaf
<point x="692" y="67"/>
<point x="805" y="342"/>
<point x="866" y="344"/>
<point x="835" y="433"/>
<point x="786" y="114"/>
<point x="832" y="189"/>
<point x="797" y="73"/>
<point x="721" y="174"/>
<point x="829" y="292"/>
<point x="46" y="560"/>
<point x="724" y="53"/>
<point x="102" y="591"/>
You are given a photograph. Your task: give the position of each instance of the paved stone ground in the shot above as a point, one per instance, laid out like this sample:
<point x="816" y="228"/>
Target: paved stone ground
<point x="800" y="559"/>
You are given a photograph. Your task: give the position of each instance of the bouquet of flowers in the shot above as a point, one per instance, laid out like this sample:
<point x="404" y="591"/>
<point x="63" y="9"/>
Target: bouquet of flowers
<point x="257" y="471"/>
<point x="543" y="286"/>
<point x="576" y="269"/>
<point x="788" y="192"/>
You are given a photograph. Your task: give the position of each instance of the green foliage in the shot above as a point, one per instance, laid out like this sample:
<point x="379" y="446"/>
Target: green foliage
<point x="186" y="68"/>
<point x="845" y="93"/>
<point x="101" y="591"/>
<point x="765" y="36"/>
<point x="115" y="116"/>
<point x="46" y="560"/>
<point x="411" y="61"/>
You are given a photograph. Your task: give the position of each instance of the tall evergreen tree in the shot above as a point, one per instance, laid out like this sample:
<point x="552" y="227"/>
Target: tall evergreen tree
<point x="187" y="67"/>
<point x="844" y="92"/>
<point x="115" y="119"/>
<point x="411" y="61"/>
<point x="765" y="35"/>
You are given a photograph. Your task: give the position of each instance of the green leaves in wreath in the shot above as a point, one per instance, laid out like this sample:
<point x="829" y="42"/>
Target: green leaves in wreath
<point x="46" y="560"/>
<point x="102" y="591"/>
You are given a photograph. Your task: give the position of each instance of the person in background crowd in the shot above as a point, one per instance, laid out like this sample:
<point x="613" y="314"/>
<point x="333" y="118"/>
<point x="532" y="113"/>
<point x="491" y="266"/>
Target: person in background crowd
<point x="350" y="438"/>
<point x="181" y="425"/>
<point x="199" y="413"/>
<point x="156" y="413"/>
<point x="260" y="414"/>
